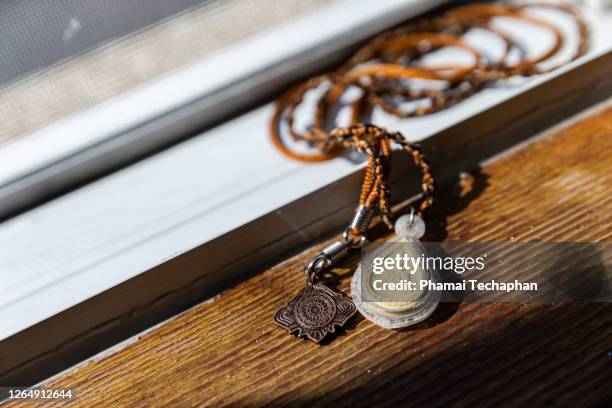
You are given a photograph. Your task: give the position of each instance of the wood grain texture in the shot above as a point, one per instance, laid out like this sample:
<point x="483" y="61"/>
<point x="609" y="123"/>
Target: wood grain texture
<point x="228" y="351"/>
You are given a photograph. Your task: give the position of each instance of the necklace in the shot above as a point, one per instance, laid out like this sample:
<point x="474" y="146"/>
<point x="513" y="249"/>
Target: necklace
<point x="317" y="310"/>
<point x="387" y="73"/>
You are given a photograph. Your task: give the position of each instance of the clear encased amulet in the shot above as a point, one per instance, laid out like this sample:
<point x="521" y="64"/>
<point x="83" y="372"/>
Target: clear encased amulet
<point x="395" y="297"/>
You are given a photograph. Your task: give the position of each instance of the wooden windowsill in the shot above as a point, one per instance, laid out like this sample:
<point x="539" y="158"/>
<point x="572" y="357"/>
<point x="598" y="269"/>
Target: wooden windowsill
<point x="227" y="351"/>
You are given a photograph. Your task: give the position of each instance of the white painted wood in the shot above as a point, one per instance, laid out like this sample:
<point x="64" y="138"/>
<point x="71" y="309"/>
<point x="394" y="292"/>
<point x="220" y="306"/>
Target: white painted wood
<point x="92" y="239"/>
<point x="192" y="97"/>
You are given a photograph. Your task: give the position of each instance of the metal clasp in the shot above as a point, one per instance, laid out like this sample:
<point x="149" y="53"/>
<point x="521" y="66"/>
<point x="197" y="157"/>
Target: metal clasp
<point x="329" y="256"/>
<point x="337" y="250"/>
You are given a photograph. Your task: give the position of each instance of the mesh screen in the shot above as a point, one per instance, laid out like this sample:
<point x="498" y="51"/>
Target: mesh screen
<point x="58" y="58"/>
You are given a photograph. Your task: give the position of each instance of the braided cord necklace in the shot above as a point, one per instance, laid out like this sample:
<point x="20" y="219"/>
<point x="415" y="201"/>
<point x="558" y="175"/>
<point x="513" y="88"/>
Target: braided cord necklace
<point x="388" y="73"/>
